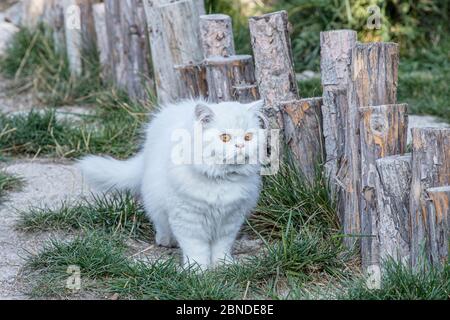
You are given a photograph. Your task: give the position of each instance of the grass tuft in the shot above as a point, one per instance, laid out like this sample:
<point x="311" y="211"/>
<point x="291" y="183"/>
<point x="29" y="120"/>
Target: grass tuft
<point x="114" y="129"/>
<point x="106" y="268"/>
<point x="165" y="280"/>
<point x="115" y="213"/>
<point x="287" y="198"/>
<point x="34" y="61"/>
<point x="8" y="183"/>
<point x="97" y="255"/>
<point x="400" y="282"/>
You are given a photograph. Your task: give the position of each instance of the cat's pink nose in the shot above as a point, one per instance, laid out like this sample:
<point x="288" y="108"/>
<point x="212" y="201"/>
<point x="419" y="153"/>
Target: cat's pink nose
<point x="239" y="145"/>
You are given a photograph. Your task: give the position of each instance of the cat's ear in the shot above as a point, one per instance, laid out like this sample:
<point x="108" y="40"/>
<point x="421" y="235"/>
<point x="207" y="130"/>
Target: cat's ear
<point x="203" y="113"/>
<point x="257" y="107"/>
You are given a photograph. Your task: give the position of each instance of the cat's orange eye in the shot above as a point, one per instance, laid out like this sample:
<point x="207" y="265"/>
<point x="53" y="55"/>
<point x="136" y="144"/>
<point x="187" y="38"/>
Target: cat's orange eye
<point x="248" y="137"/>
<point x="225" y="137"/>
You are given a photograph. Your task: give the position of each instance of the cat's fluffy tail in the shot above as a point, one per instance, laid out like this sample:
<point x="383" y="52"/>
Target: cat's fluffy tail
<point x="106" y="173"/>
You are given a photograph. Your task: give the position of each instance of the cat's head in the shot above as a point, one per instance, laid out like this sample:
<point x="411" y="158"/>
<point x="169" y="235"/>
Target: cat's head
<point x="232" y="136"/>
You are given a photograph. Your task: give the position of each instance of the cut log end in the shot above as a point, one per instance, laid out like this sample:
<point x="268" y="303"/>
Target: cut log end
<point x="216" y="34"/>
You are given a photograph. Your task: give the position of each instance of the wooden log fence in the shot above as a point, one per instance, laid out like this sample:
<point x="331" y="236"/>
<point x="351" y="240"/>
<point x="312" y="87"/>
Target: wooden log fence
<point x="395" y="205"/>
<point x="72" y="29"/>
<point x="438" y="218"/>
<point x="229" y="77"/>
<point x="430" y="168"/>
<point x="369" y="86"/>
<point x="175" y="44"/>
<point x="302" y="128"/>
<point x="299" y="120"/>
<point x="383" y="133"/>
<point x="102" y="40"/>
<point x="136" y="49"/>
<point x="335" y="62"/>
<point x="54" y="16"/>
<point x="216" y="33"/>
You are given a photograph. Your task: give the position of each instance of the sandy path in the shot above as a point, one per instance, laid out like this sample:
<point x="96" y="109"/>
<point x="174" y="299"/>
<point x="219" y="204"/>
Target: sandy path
<point x="46" y="183"/>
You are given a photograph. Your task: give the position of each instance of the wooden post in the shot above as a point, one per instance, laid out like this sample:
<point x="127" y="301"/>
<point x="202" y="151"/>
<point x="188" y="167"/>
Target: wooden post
<point x="225" y="75"/>
<point x="374" y="82"/>
<point x="216" y="34"/>
<point x="180" y="22"/>
<point x="438" y="228"/>
<point x="193" y="78"/>
<point x="72" y="27"/>
<point x="80" y="31"/>
<point x="216" y="37"/>
<point x="115" y="43"/>
<point x="102" y="40"/>
<point x="200" y="6"/>
<point x="302" y="121"/>
<point x="88" y="35"/>
<point x="136" y="49"/>
<point x="392" y="191"/>
<point x="383" y="133"/>
<point x="32" y="12"/>
<point x="430" y="168"/>
<point x="167" y="86"/>
<point x="54" y="18"/>
<point x="375" y="73"/>
<point x="274" y="68"/>
<point x="335" y="60"/>
<point x="229" y="77"/>
<point x="175" y="43"/>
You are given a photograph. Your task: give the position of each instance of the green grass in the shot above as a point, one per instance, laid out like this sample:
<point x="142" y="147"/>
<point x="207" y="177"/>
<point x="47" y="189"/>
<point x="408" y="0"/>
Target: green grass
<point x="114" y="129"/>
<point x="106" y="269"/>
<point x="298" y="271"/>
<point x="114" y="213"/>
<point x="8" y="183"/>
<point x="289" y="199"/>
<point x="165" y="280"/>
<point x="300" y="249"/>
<point x="33" y="60"/>
<point x="400" y="282"/>
<point x="426" y="92"/>
<point x="97" y="255"/>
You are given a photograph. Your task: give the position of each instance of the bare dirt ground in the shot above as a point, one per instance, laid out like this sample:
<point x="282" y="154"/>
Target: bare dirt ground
<point x="13" y="100"/>
<point x="46" y="182"/>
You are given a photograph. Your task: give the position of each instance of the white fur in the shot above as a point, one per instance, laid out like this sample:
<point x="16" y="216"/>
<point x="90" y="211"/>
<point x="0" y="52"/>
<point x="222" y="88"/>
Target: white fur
<point x="200" y="206"/>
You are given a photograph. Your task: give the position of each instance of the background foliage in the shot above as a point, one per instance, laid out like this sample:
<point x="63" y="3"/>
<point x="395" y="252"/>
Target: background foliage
<point x="417" y="25"/>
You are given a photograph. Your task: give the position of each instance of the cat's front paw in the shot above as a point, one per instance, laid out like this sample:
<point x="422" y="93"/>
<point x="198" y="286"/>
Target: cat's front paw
<point x="223" y="260"/>
<point x="166" y="241"/>
<point x="197" y="266"/>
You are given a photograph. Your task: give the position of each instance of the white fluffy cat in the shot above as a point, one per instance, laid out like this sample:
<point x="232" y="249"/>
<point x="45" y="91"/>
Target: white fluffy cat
<point x="198" y="202"/>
